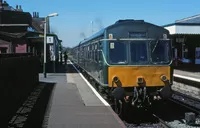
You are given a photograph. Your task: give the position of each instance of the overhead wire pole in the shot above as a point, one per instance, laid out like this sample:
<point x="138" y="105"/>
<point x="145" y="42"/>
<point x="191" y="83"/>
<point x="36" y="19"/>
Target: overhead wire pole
<point x="92" y="26"/>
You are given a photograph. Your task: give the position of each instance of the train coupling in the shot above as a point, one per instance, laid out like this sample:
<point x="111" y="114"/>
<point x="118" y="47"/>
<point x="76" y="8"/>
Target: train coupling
<point x="140" y="97"/>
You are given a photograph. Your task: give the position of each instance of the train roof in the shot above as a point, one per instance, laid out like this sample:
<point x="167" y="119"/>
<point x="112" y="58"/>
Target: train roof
<point x="119" y="22"/>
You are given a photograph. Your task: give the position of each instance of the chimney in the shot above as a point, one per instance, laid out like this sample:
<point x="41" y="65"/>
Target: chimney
<point x="5" y="3"/>
<point x="1" y="2"/>
<point x="20" y="8"/>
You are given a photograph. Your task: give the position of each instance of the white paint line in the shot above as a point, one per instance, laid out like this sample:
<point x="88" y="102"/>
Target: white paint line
<point x="188" y="78"/>
<point x="95" y="92"/>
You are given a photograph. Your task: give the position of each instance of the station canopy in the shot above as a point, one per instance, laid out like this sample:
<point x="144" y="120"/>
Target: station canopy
<point x="186" y="26"/>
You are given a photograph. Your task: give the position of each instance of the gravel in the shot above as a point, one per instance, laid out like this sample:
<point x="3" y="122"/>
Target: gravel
<point x="186" y="89"/>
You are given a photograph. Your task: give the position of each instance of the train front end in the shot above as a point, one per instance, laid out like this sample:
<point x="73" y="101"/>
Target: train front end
<point x="139" y="69"/>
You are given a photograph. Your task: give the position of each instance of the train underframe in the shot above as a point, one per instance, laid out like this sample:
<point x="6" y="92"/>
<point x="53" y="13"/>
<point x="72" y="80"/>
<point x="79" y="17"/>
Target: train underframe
<point x="140" y="96"/>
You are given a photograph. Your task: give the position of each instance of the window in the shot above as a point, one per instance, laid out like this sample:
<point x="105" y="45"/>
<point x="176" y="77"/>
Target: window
<point x="3" y="50"/>
<point x="160" y="51"/>
<point x="138" y="52"/>
<point x="117" y="53"/>
<point x="95" y="52"/>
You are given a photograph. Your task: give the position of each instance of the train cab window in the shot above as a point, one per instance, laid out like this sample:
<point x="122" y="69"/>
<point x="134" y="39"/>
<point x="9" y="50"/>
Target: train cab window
<point x="117" y="53"/>
<point x="160" y="51"/>
<point x="138" y="52"/>
<point x="88" y="52"/>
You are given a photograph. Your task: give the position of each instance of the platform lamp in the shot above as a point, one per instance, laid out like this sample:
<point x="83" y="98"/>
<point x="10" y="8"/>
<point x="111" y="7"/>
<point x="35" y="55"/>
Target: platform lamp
<point x="45" y="41"/>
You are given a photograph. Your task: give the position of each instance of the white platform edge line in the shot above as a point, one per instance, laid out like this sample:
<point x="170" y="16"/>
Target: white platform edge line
<point x="185" y="77"/>
<point x="95" y="92"/>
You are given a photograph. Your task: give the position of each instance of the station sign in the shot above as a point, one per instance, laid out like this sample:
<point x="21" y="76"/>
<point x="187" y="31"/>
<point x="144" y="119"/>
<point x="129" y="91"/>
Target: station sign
<point x="49" y="39"/>
<point x="180" y="40"/>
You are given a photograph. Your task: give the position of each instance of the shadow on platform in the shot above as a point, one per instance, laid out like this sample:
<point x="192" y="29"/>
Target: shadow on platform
<point x="70" y="69"/>
<point x="38" y="116"/>
<point x="61" y="68"/>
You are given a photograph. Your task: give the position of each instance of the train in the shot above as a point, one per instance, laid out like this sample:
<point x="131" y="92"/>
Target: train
<point x="130" y="61"/>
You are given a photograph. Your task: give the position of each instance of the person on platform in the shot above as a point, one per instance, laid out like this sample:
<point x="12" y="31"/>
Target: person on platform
<point x="65" y="57"/>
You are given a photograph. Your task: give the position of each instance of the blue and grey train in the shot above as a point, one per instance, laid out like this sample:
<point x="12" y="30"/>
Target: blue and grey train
<point x="130" y="59"/>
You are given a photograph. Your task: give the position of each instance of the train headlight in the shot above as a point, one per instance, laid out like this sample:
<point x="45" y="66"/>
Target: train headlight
<point x="163" y="78"/>
<point x="140" y="80"/>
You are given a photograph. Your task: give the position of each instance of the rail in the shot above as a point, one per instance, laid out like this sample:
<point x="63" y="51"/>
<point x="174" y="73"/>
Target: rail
<point x="186" y="105"/>
<point x="164" y="124"/>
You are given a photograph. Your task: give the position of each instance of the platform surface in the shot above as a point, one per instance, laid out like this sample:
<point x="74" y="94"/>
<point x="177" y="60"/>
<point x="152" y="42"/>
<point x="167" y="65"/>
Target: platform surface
<point x="74" y="105"/>
<point x="187" y="74"/>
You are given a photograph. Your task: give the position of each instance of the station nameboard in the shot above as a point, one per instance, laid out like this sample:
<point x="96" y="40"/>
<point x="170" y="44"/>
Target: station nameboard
<point x="49" y="39"/>
<point x="137" y="34"/>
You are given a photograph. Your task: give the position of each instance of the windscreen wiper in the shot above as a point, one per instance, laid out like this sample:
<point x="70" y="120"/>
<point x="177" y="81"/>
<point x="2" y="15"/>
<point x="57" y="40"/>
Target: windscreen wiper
<point x="155" y="46"/>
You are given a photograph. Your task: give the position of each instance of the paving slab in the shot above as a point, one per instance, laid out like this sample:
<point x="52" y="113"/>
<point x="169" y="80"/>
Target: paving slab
<point x="74" y="105"/>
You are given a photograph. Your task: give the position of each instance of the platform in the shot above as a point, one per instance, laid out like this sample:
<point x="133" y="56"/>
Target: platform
<point x="75" y="105"/>
<point x="187" y="74"/>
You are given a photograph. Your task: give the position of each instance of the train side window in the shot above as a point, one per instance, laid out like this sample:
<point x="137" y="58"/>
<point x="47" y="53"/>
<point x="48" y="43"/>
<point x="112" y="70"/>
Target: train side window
<point x="88" y="52"/>
<point x="99" y="52"/>
<point x="100" y="55"/>
<point x="85" y="51"/>
<point x="96" y="56"/>
<point x="93" y="51"/>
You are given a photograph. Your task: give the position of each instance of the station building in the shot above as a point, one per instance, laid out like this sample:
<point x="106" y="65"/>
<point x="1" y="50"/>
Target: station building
<point x="185" y="35"/>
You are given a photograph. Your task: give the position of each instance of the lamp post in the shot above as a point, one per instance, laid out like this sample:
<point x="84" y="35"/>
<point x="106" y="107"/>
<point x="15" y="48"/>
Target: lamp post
<point x="45" y="41"/>
<point x="92" y="26"/>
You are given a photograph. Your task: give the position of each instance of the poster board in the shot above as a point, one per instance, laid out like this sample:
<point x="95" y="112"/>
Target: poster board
<point x="197" y="55"/>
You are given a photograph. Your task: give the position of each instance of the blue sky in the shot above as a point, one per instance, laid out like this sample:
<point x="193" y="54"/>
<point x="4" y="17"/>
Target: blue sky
<point x="75" y="16"/>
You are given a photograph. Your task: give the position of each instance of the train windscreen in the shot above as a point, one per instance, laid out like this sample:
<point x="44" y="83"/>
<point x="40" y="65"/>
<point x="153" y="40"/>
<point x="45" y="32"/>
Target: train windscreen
<point x="160" y="51"/>
<point x="118" y="53"/>
<point x="138" y="51"/>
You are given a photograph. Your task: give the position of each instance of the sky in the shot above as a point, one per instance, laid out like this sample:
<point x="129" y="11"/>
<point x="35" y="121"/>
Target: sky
<point x="74" y="21"/>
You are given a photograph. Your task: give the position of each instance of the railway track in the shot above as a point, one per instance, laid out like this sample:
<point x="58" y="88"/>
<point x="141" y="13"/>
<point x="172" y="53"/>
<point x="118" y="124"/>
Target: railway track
<point x="187" y="101"/>
<point x="162" y="122"/>
<point x="157" y="123"/>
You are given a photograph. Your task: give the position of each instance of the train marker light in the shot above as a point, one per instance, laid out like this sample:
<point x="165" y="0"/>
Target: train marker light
<point x="110" y="36"/>
<point x="163" y="78"/>
<point x="164" y="36"/>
